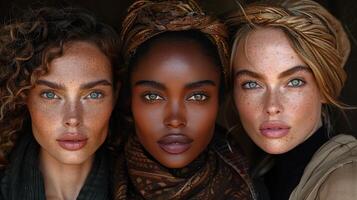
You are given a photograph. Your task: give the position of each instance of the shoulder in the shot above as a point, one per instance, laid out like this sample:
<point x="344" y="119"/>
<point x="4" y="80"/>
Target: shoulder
<point x="341" y="183"/>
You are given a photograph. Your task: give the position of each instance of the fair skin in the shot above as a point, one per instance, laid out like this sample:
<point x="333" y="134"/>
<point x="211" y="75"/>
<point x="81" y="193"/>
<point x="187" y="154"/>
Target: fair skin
<point x="175" y="90"/>
<point x="275" y="92"/>
<point x="70" y="108"/>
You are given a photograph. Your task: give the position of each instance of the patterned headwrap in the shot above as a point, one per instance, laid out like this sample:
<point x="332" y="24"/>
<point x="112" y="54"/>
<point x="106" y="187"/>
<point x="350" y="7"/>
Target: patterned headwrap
<point x="147" y="19"/>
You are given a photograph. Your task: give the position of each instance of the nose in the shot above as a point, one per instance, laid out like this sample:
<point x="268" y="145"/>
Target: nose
<point x="273" y="104"/>
<point x="175" y="115"/>
<point x="72" y="114"/>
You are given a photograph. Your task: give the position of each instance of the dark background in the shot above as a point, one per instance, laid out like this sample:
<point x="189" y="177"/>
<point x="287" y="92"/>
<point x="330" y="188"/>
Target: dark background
<point x="112" y="11"/>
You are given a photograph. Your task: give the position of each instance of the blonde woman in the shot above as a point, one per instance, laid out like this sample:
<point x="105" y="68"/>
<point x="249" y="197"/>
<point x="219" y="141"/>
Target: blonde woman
<point x="287" y="70"/>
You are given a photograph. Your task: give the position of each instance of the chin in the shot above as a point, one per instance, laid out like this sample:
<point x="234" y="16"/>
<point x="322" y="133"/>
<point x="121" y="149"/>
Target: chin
<point x="275" y="148"/>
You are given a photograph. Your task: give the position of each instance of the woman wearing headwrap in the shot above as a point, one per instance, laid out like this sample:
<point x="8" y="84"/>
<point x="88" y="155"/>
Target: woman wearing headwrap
<point x="177" y="61"/>
<point x="287" y="71"/>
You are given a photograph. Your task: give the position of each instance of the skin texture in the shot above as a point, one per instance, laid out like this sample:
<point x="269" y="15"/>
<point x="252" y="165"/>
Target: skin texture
<point x="175" y="89"/>
<point x="272" y="85"/>
<point x="75" y="98"/>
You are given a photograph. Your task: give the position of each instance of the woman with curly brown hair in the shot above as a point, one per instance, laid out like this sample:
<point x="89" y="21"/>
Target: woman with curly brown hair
<point x="58" y="86"/>
<point x="177" y="59"/>
<point x="287" y="72"/>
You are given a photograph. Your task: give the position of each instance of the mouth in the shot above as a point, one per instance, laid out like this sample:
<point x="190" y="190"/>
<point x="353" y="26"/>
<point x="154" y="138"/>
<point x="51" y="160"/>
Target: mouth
<point x="274" y="129"/>
<point x="175" y="143"/>
<point x="72" y="141"/>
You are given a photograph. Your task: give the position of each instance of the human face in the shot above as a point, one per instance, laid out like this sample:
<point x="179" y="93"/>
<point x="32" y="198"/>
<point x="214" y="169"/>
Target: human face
<point x="70" y="106"/>
<point x="275" y="92"/>
<point x="175" y="101"/>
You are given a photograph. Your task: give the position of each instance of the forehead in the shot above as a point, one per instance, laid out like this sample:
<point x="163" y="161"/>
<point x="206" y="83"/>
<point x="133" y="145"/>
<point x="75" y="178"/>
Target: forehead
<point x="184" y="60"/>
<point x="266" y="49"/>
<point x="80" y="60"/>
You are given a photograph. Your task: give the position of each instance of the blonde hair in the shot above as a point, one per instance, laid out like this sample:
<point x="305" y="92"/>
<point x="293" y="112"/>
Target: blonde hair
<point x="316" y="36"/>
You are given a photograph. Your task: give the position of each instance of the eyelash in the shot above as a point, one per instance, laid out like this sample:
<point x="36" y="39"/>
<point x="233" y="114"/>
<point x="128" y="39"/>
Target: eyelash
<point x="192" y="97"/>
<point x="247" y="85"/>
<point x="147" y="98"/>
<point x="99" y="94"/>
<point x="46" y="93"/>
<point x="300" y="84"/>
<point x="203" y="95"/>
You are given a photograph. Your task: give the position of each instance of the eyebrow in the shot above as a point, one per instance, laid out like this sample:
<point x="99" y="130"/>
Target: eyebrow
<point x="200" y="84"/>
<point x="294" y="70"/>
<point x="281" y="75"/>
<point x="148" y="83"/>
<point x="161" y="86"/>
<point x="83" y="86"/>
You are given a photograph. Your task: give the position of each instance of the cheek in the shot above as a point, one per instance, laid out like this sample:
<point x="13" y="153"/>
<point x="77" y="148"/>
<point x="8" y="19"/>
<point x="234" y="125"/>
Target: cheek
<point x="96" y="116"/>
<point x="44" y="117"/>
<point x="248" y="104"/>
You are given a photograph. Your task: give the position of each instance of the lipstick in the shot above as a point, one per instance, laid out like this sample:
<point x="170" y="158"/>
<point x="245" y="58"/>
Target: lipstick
<point x="175" y="143"/>
<point x="274" y="129"/>
<point x="72" y="141"/>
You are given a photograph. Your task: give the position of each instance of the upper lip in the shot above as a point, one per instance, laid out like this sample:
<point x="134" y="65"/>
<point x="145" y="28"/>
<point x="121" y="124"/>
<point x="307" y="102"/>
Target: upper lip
<point x="273" y="125"/>
<point x="175" y="138"/>
<point x="72" y="137"/>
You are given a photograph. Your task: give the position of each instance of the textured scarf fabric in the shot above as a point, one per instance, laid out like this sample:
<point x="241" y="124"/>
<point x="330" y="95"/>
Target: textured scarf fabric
<point x="146" y="19"/>
<point x="23" y="179"/>
<point x="217" y="173"/>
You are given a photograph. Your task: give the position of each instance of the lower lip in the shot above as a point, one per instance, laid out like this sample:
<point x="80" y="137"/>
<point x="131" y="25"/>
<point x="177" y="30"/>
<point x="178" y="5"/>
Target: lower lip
<point x="274" y="133"/>
<point x="175" y="148"/>
<point x="72" y="145"/>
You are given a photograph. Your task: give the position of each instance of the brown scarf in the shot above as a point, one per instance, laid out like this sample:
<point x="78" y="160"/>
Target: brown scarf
<point x="218" y="173"/>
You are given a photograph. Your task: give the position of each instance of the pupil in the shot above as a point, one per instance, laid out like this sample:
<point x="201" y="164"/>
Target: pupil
<point x="50" y="95"/>
<point x="152" y="96"/>
<point x="94" y="95"/>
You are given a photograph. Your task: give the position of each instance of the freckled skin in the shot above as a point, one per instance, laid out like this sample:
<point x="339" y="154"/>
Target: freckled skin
<point x="175" y="65"/>
<point x="268" y="52"/>
<point x="81" y="63"/>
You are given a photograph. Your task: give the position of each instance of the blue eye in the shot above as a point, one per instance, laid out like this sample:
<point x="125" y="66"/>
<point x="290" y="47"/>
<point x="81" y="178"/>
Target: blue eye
<point x="49" y="95"/>
<point x="250" y="85"/>
<point x="296" y="83"/>
<point x="198" y="97"/>
<point x="95" y="95"/>
<point x="152" y="97"/>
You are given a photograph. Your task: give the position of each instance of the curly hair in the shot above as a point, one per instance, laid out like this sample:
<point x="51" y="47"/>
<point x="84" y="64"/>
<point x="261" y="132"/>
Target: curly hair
<point x="27" y="47"/>
<point x="316" y="36"/>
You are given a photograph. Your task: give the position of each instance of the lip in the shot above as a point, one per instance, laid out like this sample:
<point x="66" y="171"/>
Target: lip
<point x="72" y="141"/>
<point x="274" y="129"/>
<point x="175" y="143"/>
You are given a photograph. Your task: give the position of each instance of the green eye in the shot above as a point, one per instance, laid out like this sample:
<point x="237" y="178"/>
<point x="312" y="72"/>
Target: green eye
<point x="94" y="95"/>
<point x="296" y="83"/>
<point x="49" y="95"/>
<point x="250" y="85"/>
<point x="198" y="97"/>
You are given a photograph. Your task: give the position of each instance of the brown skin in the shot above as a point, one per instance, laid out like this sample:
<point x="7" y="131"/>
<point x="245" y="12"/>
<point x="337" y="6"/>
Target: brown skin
<point x="75" y="98"/>
<point x="175" y="89"/>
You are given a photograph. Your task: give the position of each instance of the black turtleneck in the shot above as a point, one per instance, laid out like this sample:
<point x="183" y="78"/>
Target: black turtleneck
<point x="289" y="167"/>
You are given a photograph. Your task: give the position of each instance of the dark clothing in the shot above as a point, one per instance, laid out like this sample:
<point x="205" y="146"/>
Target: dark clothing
<point x="289" y="167"/>
<point x="23" y="180"/>
<point x="220" y="172"/>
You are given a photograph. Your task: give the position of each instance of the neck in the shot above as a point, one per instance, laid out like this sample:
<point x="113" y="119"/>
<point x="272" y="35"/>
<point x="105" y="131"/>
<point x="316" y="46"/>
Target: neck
<point x="63" y="181"/>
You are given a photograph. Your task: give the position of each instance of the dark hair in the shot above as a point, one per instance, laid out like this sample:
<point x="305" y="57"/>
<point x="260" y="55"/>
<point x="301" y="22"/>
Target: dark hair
<point x="28" y="45"/>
